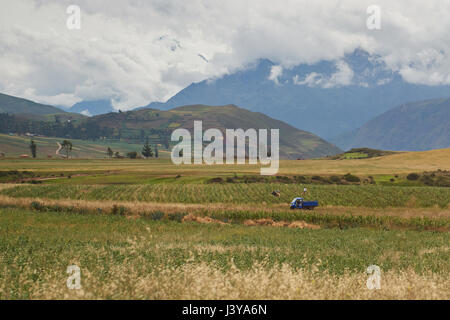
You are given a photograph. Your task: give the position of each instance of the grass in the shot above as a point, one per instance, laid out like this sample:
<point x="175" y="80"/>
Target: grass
<point x="142" y="258"/>
<point x="402" y="163"/>
<point x="148" y="229"/>
<point x="355" y="155"/>
<point x="328" y="217"/>
<point x="15" y="145"/>
<point x="258" y="194"/>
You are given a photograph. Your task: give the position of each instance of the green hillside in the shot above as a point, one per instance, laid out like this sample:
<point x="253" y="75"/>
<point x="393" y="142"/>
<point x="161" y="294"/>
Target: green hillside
<point x="14" y="145"/>
<point x="157" y="124"/>
<point x="14" y="105"/>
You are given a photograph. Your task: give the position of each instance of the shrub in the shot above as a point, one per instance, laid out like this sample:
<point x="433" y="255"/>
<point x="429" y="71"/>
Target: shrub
<point x="335" y="179"/>
<point x="36" y="205"/>
<point x="412" y="176"/>
<point x="118" y="210"/>
<point x="215" y="180"/>
<point x="132" y="155"/>
<point x="300" y="179"/>
<point x="351" y="178"/>
<point x="427" y="180"/>
<point x="176" y="216"/>
<point x="158" y="215"/>
<point x="442" y="182"/>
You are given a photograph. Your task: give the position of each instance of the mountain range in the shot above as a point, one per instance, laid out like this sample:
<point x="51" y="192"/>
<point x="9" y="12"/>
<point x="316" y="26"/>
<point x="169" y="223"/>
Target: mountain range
<point x="356" y="101"/>
<point x="92" y="108"/>
<point x="421" y="125"/>
<point x="327" y="98"/>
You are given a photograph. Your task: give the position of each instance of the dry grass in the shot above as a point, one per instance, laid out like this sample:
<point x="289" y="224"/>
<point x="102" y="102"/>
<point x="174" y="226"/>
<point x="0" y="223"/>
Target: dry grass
<point x="193" y="218"/>
<point x="404" y="162"/>
<point x="200" y="281"/>
<point x="272" y="223"/>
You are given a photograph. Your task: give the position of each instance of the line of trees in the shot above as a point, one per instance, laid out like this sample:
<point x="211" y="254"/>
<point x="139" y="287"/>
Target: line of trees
<point x="146" y="151"/>
<point x="85" y="130"/>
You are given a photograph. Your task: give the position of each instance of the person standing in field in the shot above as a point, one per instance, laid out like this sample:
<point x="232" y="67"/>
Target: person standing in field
<point x="305" y="191"/>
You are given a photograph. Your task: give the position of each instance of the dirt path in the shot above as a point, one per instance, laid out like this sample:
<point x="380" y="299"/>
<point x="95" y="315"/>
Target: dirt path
<point x="59" y="148"/>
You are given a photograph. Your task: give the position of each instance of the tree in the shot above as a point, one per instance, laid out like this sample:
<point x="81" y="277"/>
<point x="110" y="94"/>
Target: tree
<point x="33" y="148"/>
<point x="66" y="145"/>
<point x="110" y="152"/>
<point x="147" y="150"/>
<point x="156" y="151"/>
<point x="132" y="155"/>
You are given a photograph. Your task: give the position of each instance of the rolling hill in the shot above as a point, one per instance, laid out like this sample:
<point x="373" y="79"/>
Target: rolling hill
<point x="14" y="105"/>
<point x="294" y="143"/>
<point x="15" y="145"/>
<point x="414" y="126"/>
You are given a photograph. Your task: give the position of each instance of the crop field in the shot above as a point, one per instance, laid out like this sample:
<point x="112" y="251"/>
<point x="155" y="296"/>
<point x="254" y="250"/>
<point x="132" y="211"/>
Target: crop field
<point x="146" y="229"/>
<point x="146" y="259"/>
<point x="352" y="196"/>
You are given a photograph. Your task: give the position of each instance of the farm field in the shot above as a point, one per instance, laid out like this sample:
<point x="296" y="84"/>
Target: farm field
<point x="147" y="259"/>
<point x="400" y="163"/>
<point x="148" y="229"/>
<point x="351" y="196"/>
<point x="15" y="145"/>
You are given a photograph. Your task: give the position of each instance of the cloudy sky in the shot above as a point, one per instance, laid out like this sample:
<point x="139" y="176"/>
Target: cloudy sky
<point x="137" y="51"/>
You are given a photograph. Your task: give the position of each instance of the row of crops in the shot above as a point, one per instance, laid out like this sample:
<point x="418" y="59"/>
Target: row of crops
<point x="365" y="196"/>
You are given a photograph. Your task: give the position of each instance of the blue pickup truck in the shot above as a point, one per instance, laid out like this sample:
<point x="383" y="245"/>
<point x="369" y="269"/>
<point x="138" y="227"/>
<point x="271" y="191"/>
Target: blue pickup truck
<point x="299" y="203"/>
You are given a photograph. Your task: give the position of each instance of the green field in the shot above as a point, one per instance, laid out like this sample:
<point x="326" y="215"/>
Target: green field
<point x="257" y="194"/>
<point x="15" y="145"/>
<point x="146" y="259"/>
<point x="148" y="229"/>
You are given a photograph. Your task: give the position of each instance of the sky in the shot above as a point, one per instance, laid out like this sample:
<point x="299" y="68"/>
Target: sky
<point x="136" y="51"/>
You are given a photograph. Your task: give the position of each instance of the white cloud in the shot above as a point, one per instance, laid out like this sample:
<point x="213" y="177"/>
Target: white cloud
<point x="86" y="113"/>
<point x="342" y="77"/>
<point x="135" y="52"/>
<point x="275" y="73"/>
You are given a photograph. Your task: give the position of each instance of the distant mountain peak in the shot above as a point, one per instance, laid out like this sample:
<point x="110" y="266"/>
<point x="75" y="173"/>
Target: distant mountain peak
<point x="414" y="126"/>
<point x="93" y="107"/>
<point x="328" y="97"/>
